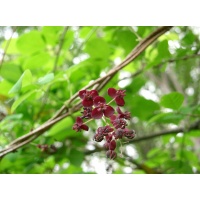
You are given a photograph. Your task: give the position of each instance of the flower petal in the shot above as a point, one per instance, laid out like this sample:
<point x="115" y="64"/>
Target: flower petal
<point x="119" y="110"/>
<point x="99" y="99"/>
<point x="112" y="92"/>
<point x="84" y="127"/>
<point x="113" y="117"/>
<point x="82" y="93"/>
<point x="79" y="121"/>
<point x="119" y="101"/>
<point x="108" y="111"/>
<point x="87" y="102"/>
<point x="112" y="145"/>
<point x="94" y="93"/>
<point x="97" y="113"/>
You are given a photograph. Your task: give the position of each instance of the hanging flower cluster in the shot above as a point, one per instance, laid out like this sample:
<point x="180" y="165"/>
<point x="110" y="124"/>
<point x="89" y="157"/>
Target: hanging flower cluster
<point x="95" y="107"/>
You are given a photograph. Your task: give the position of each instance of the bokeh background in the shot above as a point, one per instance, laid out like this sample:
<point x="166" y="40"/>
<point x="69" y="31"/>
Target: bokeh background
<point x="42" y="67"/>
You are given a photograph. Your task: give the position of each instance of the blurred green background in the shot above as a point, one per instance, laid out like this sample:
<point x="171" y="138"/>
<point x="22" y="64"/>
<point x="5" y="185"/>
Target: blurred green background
<point x="42" y="67"/>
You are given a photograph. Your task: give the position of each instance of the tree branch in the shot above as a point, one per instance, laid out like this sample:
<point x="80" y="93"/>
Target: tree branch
<point x="101" y="82"/>
<point x="195" y="126"/>
<point x="177" y="59"/>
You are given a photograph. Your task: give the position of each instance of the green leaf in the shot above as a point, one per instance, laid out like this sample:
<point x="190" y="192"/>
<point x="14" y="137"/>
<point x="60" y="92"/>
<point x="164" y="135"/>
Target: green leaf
<point x="97" y="48"/>
<point x="21" y="99"/>
<point x="170" y="117"/>
<point x="36" y="61"/>
<point x="46" y="79"/>
<point x="51" y="34"/>
<point x="76" y="157"/>
<point x="62" y="129"/>
<point x="121" y="38"/>
<point x="17" y="87"/>
<point x="141" y="107"/>
<point x="31" y="42"/>
<point x="11" y="48"/>
<point x="25" y="79"/>
<point x="5" y="87"/>
<point x="69" y="38"/>
<point x="173" y="100"/>
<point x="163" y="50"/>
<point x="11" y="72"/>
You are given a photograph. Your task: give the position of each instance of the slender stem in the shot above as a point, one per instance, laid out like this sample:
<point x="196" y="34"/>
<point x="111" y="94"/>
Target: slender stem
<point x="110" y="101"/>
<point x="89" y="120"/>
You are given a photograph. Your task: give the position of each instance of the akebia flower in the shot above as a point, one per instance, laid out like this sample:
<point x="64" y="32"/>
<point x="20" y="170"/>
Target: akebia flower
<point x="125" y="115"/>
<point x="111" y="154"/>
<point x="118" y="95"/>
<point x="112" y="145"/>
<point x="87" y="111"/>
<point x="95" y="107"/>
<point x="104" y="130"/>
<point x="101" y="108"/>
<point x="117" y="122"/>
<point x="88" y="97"/>
<point x="79" y="125"/>
<point x="119" y="133"/>
<point x="130" y="134"/>
<point x="98" y="137"/>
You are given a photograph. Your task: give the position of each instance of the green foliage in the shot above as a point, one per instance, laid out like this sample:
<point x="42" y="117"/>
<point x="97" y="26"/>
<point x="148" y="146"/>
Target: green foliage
<point x="173" y="100"/>
<point x="31" y="42"/>
<point x="44" y="66"/>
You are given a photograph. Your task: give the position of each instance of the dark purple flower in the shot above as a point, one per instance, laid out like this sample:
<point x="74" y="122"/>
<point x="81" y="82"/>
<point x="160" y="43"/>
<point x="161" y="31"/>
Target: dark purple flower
<point x="118" y="95"/>
<point x="125" y="115"/>
<point x="118" y="122"/>
<point x="109" y="138"/>
<point x="112" y="145"/>
<point x="88" y="97"/>
<point x="111" y="154"/>
<point x="79" y="125"/>
<point x="87" y="111"/>
<point x="101" y="108"/>
<point x="119" y="133"/>
<point x="104" y="130"/>
<point x="130" y="134"/>
<point x="98" y="137"/>
<point x="106" y="145"/>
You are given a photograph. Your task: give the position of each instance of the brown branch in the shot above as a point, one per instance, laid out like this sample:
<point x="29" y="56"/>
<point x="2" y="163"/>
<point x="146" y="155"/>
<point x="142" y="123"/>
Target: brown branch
<point x="177" y="59"/>
<point x="101" y="82"/>
<point x="160" y="64"/>
<point x="195" y="126"/>
<point x="62" y="37"/>
<point x="134" y="54"/>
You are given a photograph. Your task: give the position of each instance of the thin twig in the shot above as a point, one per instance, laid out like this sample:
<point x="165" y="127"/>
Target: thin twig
<point x="177" y="59"/>
<point x="134" y="54"/>
<point x="54" y="70"/>
<point x="62" y="39"/>
<point x="195" y="126"/>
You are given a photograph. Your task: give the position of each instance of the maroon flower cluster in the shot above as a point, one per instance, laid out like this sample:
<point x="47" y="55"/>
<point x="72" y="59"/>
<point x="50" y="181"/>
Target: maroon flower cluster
<point x="95" y="107"/>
